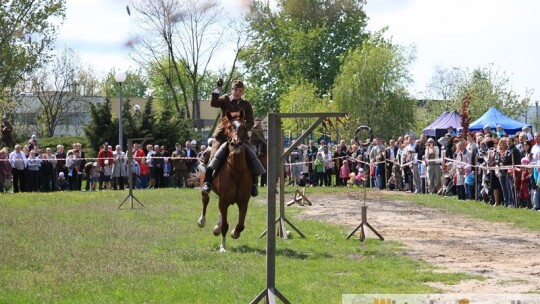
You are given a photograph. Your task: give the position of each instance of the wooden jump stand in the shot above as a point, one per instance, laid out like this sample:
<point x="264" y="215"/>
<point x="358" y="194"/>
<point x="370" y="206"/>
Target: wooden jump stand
<point x="130" y="195"/>
<point x="364" y="221"/>
<point x="276" y="159"/>
<point x="300" y="198"/>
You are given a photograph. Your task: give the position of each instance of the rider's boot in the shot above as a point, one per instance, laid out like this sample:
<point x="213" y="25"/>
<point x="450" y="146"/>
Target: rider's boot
<point x="256" y="167"/>
<point x="214" y="165"/>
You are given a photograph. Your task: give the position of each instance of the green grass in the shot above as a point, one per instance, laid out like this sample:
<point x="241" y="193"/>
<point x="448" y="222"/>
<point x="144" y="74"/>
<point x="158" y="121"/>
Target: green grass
<point x="522" y="218"/>
<point x="77" y="247"/>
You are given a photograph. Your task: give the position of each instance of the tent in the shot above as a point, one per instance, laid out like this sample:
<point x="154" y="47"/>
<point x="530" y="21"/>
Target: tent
<point x="493" y="118"/>
<point x="438" y="128"/>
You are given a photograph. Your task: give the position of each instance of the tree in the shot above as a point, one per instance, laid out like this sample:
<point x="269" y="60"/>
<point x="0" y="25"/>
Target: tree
<point x="371" y="87"/>
<point x="57" y="87"/>
<point x="101" y="128"/>
<point x="27" y="32"/>
<point x="135" y="85"/>
<point x="178" y="39"/>
<point x="170" y="130"/>
<point x="486" y="87"/>
<point x="301" y="41"/>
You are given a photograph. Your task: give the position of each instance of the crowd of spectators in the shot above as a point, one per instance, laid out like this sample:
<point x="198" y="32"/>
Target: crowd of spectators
<point x="32" y="169"/>
<point x="489" y="166"/>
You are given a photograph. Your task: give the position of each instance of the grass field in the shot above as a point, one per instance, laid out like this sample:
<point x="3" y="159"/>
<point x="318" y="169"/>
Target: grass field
<point x="77" y="247"/>
<point x="522" y="218"/>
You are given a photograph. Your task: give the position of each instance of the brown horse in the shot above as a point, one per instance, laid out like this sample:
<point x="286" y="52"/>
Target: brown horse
<point x="232" y="184"/>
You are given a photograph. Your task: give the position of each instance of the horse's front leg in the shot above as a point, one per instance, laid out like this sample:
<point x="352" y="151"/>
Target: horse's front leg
<point x="224" y="225"/>
<point x="242" y="209"/>
<point x="205" y="200"/>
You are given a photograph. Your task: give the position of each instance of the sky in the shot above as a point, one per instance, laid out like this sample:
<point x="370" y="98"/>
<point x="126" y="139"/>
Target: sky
<point x="452" y="33"/>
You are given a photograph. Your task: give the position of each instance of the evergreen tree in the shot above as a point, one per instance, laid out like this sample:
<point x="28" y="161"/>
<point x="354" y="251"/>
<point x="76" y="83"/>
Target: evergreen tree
<point x="147" y="119"/>
<point x="101" y="128"/>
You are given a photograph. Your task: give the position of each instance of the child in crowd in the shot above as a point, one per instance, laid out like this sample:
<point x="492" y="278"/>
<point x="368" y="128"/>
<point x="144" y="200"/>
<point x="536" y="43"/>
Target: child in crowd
<point x="469" y="183"/>
<point x="460" y="182"/>
<point x="422" y="173"/>
<point x="144" y="172"/>
<point x="166" y="171"/>
<point x="396" y="168"/>
<point x="391" y="182"/>
<point x="359" y="180"/>
<point x="344" y="172"/>
<point x="107" y="172"/>
<point x="87" y="174"/>
<point x="524" y="193"/>
<point x="94" y="176"/>
<point x="61" y="182"/>
<point x="318" y="167"/>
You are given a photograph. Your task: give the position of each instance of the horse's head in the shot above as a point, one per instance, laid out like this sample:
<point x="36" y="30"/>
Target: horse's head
<point x="236" y="130"/>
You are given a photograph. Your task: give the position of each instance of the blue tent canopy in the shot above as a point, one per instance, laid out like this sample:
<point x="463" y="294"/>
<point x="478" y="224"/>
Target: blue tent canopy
<point x="493" y="118"/>
<point x="439" y="127"/>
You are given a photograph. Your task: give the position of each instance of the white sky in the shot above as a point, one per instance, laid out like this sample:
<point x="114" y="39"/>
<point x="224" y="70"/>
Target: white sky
<point x="450" y="33"/>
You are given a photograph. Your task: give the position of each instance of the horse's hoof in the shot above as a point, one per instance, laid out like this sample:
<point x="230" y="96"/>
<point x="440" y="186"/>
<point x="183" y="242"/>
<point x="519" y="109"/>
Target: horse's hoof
<point x="222" y="249"/>
<point x="217" y="230"/>
<point x="234" y="235"/>
<point x="201" y="222"/>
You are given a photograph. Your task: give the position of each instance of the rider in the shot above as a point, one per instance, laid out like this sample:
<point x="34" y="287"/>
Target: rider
<point x="231" y="103"/>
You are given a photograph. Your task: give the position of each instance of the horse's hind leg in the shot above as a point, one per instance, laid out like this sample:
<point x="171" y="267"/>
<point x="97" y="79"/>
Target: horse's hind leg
<point x="242" y="209"/>
<point x="202" y="219"/>
<point x="224" y="225"/>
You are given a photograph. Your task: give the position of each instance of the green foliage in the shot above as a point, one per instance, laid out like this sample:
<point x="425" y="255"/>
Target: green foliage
<point x="66" y="141"/>
<point x="303" y="99"/>
<point x="147" y="119"/>
<point x="300" y="41"/>
<point x="73" y="247"/>
<point x="135" y="85"/>
<point x="371" y="88"/>
<point x="487" y="88"/>
<point x="170" y="129"/>
<point x="101" y="128"/>
<point x="27" y="32"/>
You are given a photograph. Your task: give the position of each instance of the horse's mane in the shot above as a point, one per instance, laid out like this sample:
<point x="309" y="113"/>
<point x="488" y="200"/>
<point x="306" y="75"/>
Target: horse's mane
<point x="227" y="123"/>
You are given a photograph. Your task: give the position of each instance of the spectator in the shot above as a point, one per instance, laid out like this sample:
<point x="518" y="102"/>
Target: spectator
<point x="61" y="182"/>
<point x="46" y="172"/>
<point x="17" y="160"/>
<point x="33" y="164"/>
<point x="61" y="160"/>
<point x="191" y="161"/>
<point x="157" y="162"/>
<point x="119" y="168"/>
<point x="5" y="171"/>
<point x="107" y="173"/>
<point x="150" y="153"/>
<point x="144" y="172"/>
<point x="94" y="176"/>
<point x="344" y="172"/>
<point x="179" y="164"/>
<point x="318" y="168"/>
<point x="73" y="163"/>
<point x="104" y="154"/>
<point x="137" y="153"/>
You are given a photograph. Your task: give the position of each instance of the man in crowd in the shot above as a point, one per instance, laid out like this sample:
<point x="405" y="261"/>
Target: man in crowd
<point x="104" y="154"/>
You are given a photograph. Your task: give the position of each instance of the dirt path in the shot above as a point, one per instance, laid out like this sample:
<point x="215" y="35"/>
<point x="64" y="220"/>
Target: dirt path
<point x="507" y="257"/>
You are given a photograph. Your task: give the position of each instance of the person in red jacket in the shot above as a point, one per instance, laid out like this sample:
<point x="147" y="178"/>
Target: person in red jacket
<point x="103" y="154"/>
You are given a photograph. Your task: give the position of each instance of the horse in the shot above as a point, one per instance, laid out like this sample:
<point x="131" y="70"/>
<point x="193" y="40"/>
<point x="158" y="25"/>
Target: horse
<point x="233" y="181"/>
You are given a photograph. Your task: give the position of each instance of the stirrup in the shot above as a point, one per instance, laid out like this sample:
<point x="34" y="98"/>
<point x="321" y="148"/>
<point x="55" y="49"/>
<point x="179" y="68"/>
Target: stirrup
<point x="206" y="188"/>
